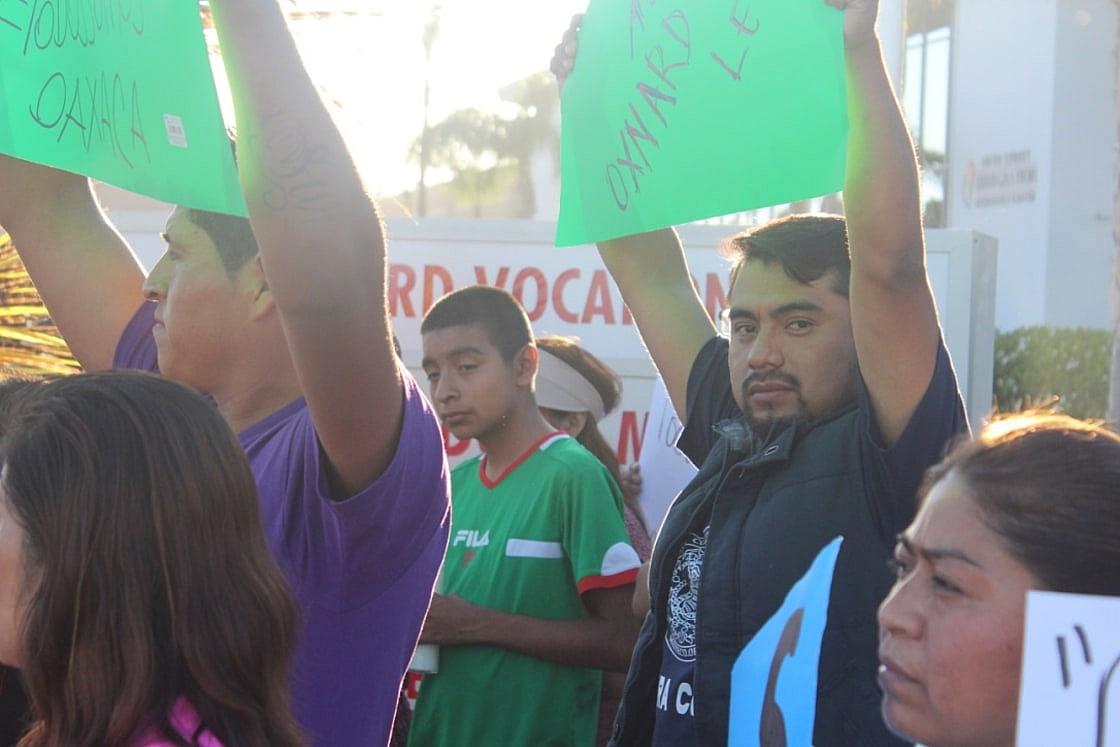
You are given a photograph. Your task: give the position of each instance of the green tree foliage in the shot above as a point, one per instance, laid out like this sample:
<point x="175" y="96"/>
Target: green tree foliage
<point x="1036" y="365"/>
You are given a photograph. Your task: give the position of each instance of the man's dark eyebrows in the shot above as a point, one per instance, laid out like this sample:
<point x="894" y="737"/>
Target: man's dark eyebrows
<point x="795" y="306"/>
<point x="736" y="312"/>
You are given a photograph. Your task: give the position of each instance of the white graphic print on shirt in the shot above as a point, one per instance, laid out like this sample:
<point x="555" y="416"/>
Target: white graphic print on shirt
<point x="684" y="591"/>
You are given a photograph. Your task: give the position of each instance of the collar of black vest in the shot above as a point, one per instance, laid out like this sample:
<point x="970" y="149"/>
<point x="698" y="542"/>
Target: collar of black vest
<point x="776" y="444"/>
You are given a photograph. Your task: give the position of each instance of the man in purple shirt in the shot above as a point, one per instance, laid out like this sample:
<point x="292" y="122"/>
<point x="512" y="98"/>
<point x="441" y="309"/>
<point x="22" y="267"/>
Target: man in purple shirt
<point x="284" y="324"/>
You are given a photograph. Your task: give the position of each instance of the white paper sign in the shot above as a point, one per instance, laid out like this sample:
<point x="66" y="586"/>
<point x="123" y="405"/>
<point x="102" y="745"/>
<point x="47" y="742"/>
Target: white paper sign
<point x="665" y="471"/>
<point x="1070" y="692"/>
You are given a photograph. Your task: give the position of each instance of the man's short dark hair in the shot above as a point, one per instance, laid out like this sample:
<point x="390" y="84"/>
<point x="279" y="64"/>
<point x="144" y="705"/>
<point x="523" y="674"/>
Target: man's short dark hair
<point x="232" y="235"/>
<point x="808" y="247"/>
<point x="493" y="309"/>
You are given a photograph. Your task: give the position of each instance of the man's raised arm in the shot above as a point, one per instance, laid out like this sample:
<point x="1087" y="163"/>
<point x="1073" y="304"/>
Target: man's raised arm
<point x="652" y="275"/>
<point x="321" y="242"/>
<point x="894" y="319"/>
<point x="86" y="274"/>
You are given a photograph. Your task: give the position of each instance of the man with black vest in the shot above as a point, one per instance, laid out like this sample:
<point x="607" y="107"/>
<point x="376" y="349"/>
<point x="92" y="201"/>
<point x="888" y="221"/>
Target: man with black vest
<point x="813" y="414"/>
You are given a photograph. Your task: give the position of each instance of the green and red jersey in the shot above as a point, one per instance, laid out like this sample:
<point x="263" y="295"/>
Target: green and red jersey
<point x="530" y="542"/>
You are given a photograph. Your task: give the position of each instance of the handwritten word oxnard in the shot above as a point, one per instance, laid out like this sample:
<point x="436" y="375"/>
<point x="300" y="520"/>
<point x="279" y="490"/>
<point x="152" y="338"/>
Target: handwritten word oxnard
<point x="669" y="49"/>
<point x="680" y="111"/>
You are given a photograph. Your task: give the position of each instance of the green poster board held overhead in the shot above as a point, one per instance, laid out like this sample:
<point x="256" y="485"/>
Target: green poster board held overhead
<point x="677" y="112"/>
<point x="119" y="91"/>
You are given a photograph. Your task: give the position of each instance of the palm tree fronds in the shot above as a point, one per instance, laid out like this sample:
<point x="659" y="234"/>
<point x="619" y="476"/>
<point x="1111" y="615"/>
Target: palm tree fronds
<point x="30" y="344"/>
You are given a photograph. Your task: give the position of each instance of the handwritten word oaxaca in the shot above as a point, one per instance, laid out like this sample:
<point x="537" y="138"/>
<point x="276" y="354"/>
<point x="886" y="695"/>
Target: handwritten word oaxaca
<point x="119" y="90"/>
<point x="96" y="110"/>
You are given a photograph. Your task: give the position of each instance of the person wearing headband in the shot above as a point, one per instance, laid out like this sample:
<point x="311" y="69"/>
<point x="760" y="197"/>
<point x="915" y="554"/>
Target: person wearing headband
<point x="575" y="390"/>
<point x="539" y="576"/>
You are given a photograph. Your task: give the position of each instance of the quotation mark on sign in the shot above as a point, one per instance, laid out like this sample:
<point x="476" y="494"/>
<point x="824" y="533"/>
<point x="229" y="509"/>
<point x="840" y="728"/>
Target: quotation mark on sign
<point x="1063" y="654"/>
<point x="1106" y="680"/>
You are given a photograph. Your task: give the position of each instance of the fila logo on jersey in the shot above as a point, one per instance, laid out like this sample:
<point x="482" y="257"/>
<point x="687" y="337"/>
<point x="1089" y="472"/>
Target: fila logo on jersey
<point x="471" y="538"/>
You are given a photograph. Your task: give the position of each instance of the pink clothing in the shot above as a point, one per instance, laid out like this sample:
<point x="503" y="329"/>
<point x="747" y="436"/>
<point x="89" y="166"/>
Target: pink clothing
<point x="184" y="719"/>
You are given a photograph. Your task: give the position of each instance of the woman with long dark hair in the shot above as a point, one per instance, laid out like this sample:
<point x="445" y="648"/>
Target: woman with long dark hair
<point x="137" y="592"/>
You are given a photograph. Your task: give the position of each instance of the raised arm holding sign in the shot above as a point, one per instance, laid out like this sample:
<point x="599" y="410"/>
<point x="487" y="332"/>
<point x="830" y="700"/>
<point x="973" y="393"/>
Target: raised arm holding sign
<point x="813" y="415"/>
<point x="283" y="322"/>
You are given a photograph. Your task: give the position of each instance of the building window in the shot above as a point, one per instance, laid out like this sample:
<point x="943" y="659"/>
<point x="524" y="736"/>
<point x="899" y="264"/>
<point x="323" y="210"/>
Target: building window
<point x="925" y="96"/>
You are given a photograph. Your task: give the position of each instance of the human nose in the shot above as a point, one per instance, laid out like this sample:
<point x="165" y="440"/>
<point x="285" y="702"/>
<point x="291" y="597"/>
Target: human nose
<point x="765" y="351"/>
<point x="444" y="389"/>
<point x="900" y="614"/>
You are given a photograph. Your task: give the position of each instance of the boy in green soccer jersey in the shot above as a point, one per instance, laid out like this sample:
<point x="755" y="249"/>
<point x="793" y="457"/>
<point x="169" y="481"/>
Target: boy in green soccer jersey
<point x="539" y="573"/>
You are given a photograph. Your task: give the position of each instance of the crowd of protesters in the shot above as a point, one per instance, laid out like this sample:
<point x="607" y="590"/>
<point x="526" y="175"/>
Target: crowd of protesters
<point x="256" y="566"/>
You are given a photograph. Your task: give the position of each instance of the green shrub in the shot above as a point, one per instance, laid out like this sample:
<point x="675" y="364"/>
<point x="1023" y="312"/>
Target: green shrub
<point x="1035" y="365"/>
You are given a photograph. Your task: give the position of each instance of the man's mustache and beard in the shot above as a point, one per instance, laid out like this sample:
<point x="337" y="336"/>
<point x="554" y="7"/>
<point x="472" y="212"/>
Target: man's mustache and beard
<point x="764" y="421"/>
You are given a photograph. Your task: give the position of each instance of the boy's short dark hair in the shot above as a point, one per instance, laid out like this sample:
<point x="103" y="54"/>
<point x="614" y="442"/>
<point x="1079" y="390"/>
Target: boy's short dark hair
<point x="808" y="247"/>
<point x="493" y="309"/>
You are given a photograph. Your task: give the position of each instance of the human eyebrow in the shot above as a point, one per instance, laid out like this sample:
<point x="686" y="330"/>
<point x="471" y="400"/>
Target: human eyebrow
<point x="465" y="350"/>
<point x="738" y="313"/>
<point x="937" y="553"/>
<point x="796" y="306"/>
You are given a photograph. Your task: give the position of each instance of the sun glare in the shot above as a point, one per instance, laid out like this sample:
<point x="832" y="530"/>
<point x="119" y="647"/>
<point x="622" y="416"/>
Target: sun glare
<point x="368" y="60"/>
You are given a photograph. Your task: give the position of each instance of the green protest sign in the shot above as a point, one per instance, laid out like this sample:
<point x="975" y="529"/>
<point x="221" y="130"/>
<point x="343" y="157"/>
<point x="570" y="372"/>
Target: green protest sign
<point x="119" y="90"/>
<point x="677" y="112"/>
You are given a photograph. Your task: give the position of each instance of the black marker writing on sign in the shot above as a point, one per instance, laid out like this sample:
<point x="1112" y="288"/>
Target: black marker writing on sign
<point x="743" y="25"/>
<point x="101" y="111"/>
<point x="55" y="24"/>
<point x="657" y="97"/>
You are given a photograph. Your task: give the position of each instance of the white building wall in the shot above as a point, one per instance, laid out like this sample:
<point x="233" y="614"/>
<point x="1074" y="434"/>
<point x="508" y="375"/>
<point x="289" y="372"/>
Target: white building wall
<point x="1001" y="128"/>
<point x="1080" y="244"/>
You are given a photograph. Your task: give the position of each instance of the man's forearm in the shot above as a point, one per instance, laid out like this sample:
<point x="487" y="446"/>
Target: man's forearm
<point x="652" y="274"/>
<point x="305" y="196"/>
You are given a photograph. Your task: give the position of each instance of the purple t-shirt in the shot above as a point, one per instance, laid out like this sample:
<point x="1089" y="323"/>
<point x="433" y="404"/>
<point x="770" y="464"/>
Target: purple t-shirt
<point x="361" y="569"/>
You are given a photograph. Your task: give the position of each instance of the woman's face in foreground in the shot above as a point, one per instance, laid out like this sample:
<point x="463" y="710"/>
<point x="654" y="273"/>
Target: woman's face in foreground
<point x="951" y="630"/>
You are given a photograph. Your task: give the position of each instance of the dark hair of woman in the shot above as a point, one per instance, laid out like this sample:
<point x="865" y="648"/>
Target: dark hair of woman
<point x="147" y="576"/>
<point x="1047" y="484"/>
<point x="609" y="387"/>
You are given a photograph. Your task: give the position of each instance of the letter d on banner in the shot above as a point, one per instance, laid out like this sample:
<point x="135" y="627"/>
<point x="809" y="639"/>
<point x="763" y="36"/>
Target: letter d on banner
<point x="774" y="680"/>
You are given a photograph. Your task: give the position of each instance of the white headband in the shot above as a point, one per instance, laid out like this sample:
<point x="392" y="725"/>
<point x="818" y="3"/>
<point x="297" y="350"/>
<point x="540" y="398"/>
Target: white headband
<point x="561" y="387"/>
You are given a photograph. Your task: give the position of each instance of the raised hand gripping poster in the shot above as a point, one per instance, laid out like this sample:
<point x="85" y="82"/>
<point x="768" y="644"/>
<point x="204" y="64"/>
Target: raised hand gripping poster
<point x="678" y="112"/>
<point x="118" y="90"/>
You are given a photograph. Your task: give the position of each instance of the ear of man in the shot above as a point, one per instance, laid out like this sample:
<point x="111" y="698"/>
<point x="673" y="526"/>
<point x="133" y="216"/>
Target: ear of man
<point x="263" y="302"/>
